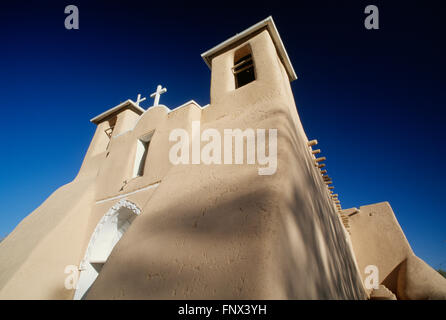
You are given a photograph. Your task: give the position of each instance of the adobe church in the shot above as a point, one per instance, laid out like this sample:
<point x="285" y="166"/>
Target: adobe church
<point x="134" y="225"/>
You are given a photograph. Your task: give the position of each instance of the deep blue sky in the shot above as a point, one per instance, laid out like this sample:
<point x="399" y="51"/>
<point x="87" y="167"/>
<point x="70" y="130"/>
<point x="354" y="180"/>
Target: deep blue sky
<point x="373" y="99"/>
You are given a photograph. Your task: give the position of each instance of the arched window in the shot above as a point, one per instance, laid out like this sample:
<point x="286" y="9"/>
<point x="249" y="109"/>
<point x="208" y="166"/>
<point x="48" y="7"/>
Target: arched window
<point x="243" y="69"/>
<point x="106" y="235"/>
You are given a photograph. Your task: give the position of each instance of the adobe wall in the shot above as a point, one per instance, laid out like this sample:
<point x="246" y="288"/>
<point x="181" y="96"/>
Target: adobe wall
<point x="34" y="256"/>
<point x="223" y="231"/>
<point x="115" y="176"/>
<point x="205" y="231"/>
<point x="379" y="240"/>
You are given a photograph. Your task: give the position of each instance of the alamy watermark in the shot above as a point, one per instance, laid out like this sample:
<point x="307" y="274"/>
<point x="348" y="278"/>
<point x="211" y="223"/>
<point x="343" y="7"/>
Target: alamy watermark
<point x="372" y="20"/>
<point x="216" y="151"/>
<point x="72" y="20"/>
<point x="372" y="279"/>
<point x="72" y="279"/>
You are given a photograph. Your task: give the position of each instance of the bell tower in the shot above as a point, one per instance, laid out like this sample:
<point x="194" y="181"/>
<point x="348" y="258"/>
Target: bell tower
<point x="253" y="63"/>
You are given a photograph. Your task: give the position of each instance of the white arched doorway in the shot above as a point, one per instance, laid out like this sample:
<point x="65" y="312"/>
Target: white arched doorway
<point x="105" y="236"/>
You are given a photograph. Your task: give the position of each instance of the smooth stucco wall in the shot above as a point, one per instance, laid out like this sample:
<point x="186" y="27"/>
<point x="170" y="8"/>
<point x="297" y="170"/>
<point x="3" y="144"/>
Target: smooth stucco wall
<point x="34" y="256"/>
<point x="211" y="231"/>
<point x="379" y="240"/>
<point x="223" y="231"/>
<point x="205" y="231"/>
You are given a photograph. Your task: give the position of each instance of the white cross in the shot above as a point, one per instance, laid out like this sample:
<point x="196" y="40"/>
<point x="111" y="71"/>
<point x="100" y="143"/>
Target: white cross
<point x="138" y="100"/>
<point x="159" y="91"/>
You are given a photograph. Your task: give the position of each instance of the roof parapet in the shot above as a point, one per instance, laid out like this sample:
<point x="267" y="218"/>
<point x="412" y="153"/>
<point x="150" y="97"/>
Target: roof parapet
<point x="126" y="104"/>
<point x="269" y="25"/>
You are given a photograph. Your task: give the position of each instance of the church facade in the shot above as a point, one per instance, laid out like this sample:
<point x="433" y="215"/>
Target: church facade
<point x="135" y="224"/>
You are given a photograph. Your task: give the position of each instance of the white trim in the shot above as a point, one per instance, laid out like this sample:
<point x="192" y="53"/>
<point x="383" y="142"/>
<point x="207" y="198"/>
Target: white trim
<point x="86" y="277"/>
<point x="127" y="103"/>
<point x="128" y="194"/>
<point x="271" y="27"/>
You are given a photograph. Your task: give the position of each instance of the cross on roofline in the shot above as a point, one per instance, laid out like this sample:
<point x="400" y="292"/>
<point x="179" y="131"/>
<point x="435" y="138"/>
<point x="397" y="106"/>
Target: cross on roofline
<point x="138" y="100"/>
<point x="159" y="91"/>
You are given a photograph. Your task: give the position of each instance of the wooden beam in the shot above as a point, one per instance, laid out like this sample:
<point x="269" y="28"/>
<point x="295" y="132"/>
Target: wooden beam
<point x="312" y="143"/>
